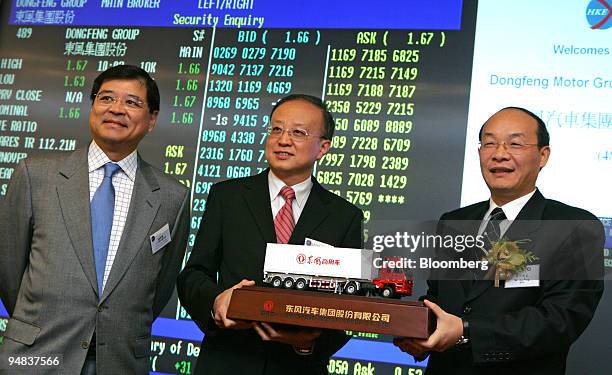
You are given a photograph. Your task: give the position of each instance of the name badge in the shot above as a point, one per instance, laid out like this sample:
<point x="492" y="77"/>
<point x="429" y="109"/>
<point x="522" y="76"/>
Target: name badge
<point x="528" y="278"/>
<point x="160" y="238"/>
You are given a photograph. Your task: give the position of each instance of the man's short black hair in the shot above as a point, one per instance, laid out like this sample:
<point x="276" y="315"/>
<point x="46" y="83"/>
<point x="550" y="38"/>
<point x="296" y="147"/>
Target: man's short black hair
<point x="328" y="120"/>
<point x="129" y="72"/>
<point x="543" y="136"/>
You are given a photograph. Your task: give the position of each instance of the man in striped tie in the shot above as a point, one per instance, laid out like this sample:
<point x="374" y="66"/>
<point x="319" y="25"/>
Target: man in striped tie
<point x="283" y="204"/>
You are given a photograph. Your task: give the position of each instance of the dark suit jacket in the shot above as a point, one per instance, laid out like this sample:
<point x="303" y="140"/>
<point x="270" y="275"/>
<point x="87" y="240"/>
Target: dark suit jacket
<point x="47" y="272"/>
<point x="525" y="330"/>
<point x="232" y="239"/>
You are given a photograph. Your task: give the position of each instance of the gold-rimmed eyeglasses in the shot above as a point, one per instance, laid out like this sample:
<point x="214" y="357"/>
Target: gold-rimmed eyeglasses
<point x="513" y="147"/>
<point x="296" y="134"/>
<point x="130" y="102"/>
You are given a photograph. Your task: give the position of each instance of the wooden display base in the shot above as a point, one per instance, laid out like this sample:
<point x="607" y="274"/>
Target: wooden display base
<point x="333" y="311"/>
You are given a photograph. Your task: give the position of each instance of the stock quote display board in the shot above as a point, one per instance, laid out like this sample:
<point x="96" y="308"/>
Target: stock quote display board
<point x="395" y="75"/>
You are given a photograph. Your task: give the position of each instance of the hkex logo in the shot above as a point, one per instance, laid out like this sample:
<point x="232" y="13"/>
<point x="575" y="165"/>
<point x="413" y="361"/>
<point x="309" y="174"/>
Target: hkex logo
<point x="598" y="14"/>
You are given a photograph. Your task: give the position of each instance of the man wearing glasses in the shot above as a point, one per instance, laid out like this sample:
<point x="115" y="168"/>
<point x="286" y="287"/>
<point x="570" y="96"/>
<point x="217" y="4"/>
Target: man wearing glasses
<point x="92" y="241"/>
<point x="515" y="326"/>
<point x="284" y="204"/>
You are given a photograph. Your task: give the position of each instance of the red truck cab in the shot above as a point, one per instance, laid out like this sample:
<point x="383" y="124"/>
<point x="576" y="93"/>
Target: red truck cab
<point x="392" y="282"/>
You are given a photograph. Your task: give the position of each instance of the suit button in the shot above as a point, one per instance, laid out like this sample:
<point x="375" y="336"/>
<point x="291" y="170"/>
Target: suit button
<point x="467" y="309"/>
<point x="84" y="344"/>
<point x="100" y="308"/>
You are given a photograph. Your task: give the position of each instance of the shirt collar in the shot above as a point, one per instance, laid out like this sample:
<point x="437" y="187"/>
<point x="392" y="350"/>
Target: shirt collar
<point x="96" y="158"/>
<point x="513" y="208"/>
<point x="301" y="190"/>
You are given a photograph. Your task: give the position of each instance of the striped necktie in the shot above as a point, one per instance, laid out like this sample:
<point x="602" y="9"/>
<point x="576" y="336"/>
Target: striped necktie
<point x="283" y="222"/>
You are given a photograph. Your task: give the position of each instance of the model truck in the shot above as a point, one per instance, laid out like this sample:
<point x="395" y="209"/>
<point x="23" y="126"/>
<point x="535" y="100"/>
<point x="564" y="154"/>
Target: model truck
<point x="334" y="269"/>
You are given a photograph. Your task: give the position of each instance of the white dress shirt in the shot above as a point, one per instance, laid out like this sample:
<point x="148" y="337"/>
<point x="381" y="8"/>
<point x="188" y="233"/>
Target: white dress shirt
<point x="302" y="191"/>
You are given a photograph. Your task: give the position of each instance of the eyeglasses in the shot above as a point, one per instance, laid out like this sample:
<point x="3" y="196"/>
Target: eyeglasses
<point x="513" y="147"/>
<point x="130" y="102"/>
<point x="296" y="134"/>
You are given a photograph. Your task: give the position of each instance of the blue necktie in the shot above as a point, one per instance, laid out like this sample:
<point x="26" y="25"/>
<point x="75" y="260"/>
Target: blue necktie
<point x="102" y="209"/>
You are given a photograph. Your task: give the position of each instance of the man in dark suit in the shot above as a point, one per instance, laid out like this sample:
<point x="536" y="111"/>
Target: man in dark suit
<point x="241" y="217"/>
<point x="92" y="241"/>
<point x="518" y="327"/>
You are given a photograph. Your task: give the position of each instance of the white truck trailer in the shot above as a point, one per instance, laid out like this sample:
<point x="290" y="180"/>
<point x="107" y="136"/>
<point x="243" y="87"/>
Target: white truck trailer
<point x="342" y="270"/>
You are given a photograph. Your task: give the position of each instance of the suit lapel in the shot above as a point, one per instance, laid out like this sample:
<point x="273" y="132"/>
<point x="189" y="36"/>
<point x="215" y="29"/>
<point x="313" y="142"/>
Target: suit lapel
<point x="143" y="209"/>
<point x="474" y="218"/>
<point x="73" y="194"/>
<point x="529" y="219"/>
<point x="531" y="213"/>
<point x="257" y="199"/>
<point x="314" y="212"/>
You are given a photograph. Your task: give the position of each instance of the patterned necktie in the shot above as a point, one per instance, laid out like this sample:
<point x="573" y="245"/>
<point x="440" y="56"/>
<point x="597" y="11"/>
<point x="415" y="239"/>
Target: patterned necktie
<point x="283" y="222"/>
<point x="492" y="229"/>
<point x="492" y="232"/>
<point x="102" y="209"/>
